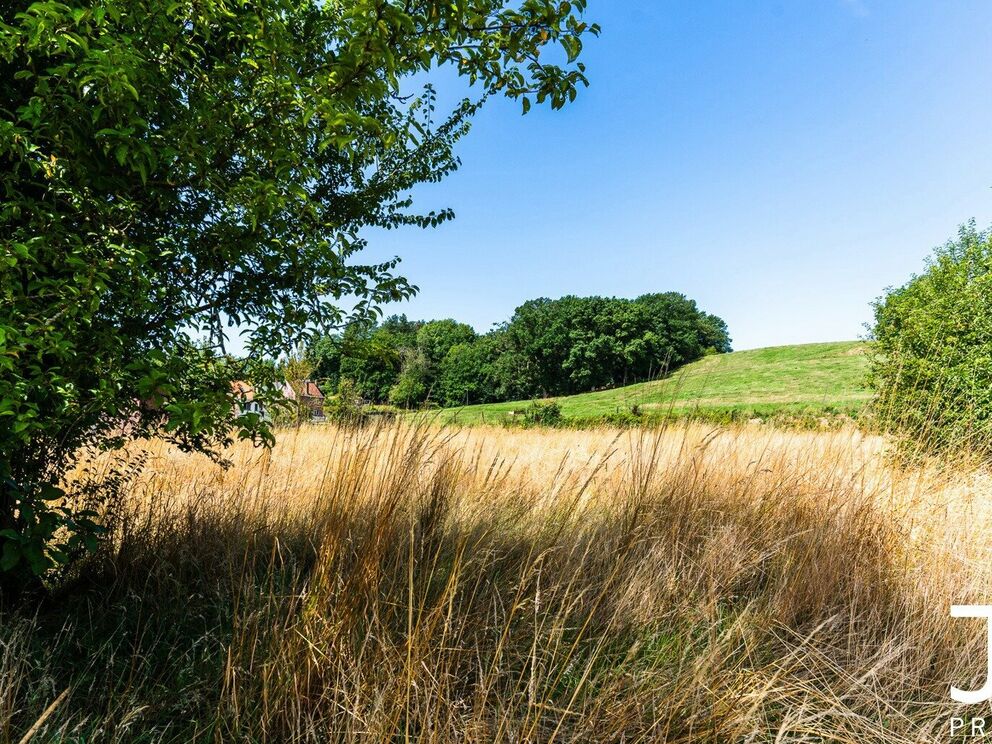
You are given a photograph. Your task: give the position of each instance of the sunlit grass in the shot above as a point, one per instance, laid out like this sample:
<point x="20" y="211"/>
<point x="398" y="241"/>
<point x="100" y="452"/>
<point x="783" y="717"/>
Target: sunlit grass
<point x="813" y="379"/>
<point x="401" y="583"/>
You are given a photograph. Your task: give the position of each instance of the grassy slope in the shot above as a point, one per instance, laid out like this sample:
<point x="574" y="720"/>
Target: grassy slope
<point x="785" y="379"/>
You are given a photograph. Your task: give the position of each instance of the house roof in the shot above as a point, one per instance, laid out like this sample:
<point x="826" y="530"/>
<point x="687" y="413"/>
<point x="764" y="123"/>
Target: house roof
<point x="243" y="390"/>
<point x="302" y="389"/>
<point x="309" y="389"/>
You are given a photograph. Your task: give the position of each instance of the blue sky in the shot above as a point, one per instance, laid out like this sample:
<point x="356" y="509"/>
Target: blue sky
<point x="779" y="162"/>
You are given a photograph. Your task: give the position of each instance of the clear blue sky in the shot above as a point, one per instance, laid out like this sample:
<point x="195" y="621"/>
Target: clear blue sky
<point x="779" y="162"/>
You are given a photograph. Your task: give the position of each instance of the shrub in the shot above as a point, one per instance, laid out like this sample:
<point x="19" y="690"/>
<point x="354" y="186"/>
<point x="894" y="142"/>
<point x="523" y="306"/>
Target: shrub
<point x="347" y="407"/>
<point x="625" y="419"/>
<point x="932" y="360"/>
<point x="543" y="413"/>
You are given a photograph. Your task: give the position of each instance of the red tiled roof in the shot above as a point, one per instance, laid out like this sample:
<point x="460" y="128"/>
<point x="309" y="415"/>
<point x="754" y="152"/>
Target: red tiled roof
<point x="309" y="389"/>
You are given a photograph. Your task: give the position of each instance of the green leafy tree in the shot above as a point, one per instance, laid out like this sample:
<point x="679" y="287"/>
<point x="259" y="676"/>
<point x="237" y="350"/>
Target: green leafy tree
<point x="413" y="384"/>
<point x="346" y="407"/>
<point x="371" y="360"/>
<point x="467" y="374"/>
<point x="436" y="338"/>
<point x="173" y="168"/>
<point x="931" y="362"/>
<point x="576" y="344"/>
<point x="324" y="353"/>
<point x="687" y="332"/>
<point x="422" y="360"/>
<point x="294" y="369"/>
<point x="714" y="335"/>
<point x="372" y="356"/>
<point x="515" y="374"/>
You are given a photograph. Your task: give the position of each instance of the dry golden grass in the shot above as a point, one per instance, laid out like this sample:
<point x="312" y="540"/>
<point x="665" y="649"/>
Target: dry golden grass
<point x="404" y="583"/>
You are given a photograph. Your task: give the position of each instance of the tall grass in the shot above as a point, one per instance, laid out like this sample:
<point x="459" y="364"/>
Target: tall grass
<point x="408" y="583"/>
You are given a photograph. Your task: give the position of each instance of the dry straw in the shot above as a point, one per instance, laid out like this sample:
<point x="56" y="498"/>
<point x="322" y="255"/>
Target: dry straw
<point x="409" y="583"/>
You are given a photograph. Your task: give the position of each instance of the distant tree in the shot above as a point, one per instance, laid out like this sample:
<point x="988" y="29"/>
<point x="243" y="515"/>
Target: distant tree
<point x="421" y="366"/>
<point x="549" y="347"/>
<point x="413" y="384"/>
<point x="346" y="406"/>
<point x="402" y="327"/>
<point x="515" y="375"/>
<point x="435" y="338"/>
<point x="614" y="345"/>
<point x="467" y="374"/>
<point x="714" y="334"/>
<point x="686" y="331"/>
<point x="296" y="366"/>
<point x="175" y="167"/>
<point x="371" y="359"/>
<point x="575" y="344"/>
<point x="324" y="353"/>
<point x="293" y="369"/>
<point x="931" y="362"/>
<point x="369" y="355"/>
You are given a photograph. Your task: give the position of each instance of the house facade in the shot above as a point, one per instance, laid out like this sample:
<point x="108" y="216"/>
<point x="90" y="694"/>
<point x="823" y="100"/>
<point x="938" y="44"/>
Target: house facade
<point x="308" y="394"/>
<point x="245" y="393"/>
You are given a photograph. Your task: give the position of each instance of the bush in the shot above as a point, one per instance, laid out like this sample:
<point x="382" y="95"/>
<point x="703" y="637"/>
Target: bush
<point x="624" y="419"/>
<point x="347" y="407"/>
<point x="932" y="361"/>
<point x="543" y="413"/>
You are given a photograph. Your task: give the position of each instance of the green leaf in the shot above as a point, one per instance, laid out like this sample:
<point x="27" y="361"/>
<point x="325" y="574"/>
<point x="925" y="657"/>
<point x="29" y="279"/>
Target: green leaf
<point x="10" y="557"/>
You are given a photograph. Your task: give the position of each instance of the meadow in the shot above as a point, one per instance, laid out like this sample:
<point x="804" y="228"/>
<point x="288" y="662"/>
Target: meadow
<point x="823" y="379"/>
<point x="405" y="582"/>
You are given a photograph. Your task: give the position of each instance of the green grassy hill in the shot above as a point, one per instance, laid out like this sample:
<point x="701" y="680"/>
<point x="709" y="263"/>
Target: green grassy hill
<point x="789" y="380"/>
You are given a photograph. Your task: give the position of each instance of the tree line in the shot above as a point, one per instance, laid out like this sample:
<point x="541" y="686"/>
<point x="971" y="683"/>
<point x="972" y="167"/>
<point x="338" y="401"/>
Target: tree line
<point x="547" y="348"/>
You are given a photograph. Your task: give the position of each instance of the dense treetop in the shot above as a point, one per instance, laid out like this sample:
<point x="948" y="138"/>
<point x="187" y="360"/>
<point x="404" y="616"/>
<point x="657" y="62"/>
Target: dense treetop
<point x="548" y="347"/>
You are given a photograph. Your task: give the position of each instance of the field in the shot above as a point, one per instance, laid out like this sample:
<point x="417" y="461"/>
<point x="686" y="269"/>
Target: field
<point x="404" y="583"/>
<point x="818" y="379"/>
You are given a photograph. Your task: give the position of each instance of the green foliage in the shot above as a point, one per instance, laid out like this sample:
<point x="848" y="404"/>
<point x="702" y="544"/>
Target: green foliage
<point x="689" y="333"/>
<point x="468" y="373"/>
<point x="422" y="363"/>
<point x="368" y="354"/>
<point x="324" y="353"/>
<point x="436" y="338"/>
<point x="549" y="347"/>
<point x="932" y="361"/>
<point x="174" y="168"/>
<point x="413" y="385"/>
<point x="577" y="344"/>
<point x="347" y="406"/>
<point x="293" y="369"/>
<point x="631" y="416"/>
<point x="543" y="413"/>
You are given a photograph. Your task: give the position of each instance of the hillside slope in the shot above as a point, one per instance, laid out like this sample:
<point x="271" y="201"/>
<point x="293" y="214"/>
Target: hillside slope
<point x="825" y="377"/>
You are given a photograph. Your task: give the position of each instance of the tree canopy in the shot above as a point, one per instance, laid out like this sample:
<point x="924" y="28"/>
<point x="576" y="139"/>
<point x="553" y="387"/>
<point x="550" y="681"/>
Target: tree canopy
<point x="548" y="347"/>
<point x="170" y="169"/>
